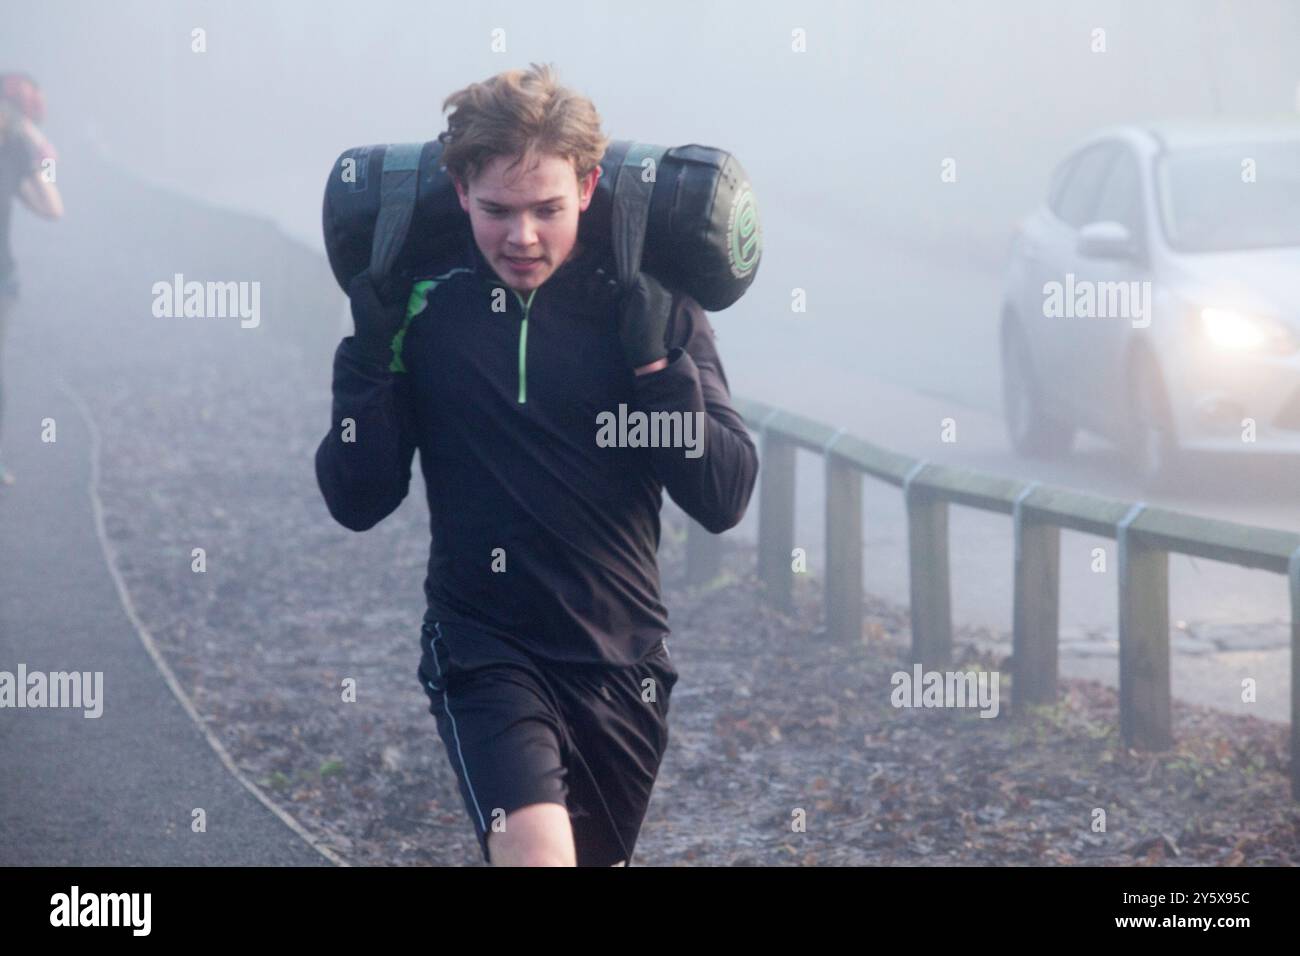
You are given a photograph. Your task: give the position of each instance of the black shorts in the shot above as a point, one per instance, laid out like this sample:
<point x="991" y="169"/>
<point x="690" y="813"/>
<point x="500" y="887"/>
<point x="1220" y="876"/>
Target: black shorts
<point x="520" y="731"/>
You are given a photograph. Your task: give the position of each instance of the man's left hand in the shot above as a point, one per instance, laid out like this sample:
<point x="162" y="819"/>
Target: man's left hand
<point x="644" y="310"/>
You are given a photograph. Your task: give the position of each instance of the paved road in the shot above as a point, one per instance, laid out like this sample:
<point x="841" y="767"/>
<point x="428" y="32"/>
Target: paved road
<point x="119" y="789"/>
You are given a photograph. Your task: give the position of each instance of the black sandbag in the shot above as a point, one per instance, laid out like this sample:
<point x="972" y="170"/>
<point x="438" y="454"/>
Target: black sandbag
<point x="702" y="233"/>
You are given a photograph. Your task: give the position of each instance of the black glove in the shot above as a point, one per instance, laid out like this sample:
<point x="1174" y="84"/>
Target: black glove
<point x="644" y="310"/>
<point x="377" y="314"/>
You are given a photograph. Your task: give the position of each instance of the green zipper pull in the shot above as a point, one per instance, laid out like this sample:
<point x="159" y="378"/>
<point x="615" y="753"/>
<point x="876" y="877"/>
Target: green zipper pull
<point x="523" y="343"/>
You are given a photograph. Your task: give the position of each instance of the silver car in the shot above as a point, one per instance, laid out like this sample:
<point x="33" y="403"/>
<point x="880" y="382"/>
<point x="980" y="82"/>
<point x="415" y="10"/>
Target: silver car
<point x="1154" y="299"/>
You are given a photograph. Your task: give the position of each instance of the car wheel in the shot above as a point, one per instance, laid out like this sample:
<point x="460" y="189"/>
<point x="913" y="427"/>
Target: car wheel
<point x="1033" y="434"/>
<point x="1153" y="452"/>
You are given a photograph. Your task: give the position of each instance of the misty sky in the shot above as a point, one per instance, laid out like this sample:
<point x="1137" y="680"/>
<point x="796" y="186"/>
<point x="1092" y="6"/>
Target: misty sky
<point x="857" y="124"/>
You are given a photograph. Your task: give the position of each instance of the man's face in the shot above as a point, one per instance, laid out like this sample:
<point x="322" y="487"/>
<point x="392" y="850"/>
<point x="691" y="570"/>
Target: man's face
<point x="526" y="221"/>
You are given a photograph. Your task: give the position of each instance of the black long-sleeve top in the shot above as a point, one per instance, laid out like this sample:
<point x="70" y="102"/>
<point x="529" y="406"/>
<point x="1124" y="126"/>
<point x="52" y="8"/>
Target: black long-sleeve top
<point x="543" y="536"/>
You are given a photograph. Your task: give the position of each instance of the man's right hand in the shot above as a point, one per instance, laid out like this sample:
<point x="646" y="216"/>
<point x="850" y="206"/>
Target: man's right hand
<point x="378" y="314"/>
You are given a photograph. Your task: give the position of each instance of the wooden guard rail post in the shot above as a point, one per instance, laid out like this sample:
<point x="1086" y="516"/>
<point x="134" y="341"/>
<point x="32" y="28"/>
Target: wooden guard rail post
<point x="703" y="554"/>
<point x="843" y="545"/>
<point x="1036" y="602"/>
<point x="776" y="520"/>
<point x="1145" y="698"/>
<point x="927" y="535"/>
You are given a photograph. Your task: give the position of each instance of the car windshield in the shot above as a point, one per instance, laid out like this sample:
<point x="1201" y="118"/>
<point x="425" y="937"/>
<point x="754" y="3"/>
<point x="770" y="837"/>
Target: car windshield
<point x="1208" y="202"/>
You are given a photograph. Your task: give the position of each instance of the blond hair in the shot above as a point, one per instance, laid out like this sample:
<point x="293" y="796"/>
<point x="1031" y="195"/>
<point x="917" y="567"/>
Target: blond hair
<point x="517" y="113"/>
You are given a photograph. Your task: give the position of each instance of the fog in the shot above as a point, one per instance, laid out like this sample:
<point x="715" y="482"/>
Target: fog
<point x="854" y="126"/>
<point x="844" y="141"/>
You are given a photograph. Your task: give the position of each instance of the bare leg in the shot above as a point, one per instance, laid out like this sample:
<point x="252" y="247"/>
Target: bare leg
<point x="536" y="835"/>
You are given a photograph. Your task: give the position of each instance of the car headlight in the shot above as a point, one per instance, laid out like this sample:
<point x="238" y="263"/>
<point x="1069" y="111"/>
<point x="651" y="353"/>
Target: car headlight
<point x="1235" y="331"/>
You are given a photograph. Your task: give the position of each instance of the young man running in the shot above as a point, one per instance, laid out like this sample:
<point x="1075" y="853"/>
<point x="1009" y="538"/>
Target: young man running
<point x="543" y="643"/>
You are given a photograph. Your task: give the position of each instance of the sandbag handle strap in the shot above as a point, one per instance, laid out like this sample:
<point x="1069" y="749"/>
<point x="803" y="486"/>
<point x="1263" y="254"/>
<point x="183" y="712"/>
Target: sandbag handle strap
<point x="396" y="206"/>
<point x="631" y="212"/>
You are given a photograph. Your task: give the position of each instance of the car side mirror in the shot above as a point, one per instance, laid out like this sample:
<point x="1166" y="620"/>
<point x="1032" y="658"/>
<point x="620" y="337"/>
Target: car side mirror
<point x="1107" y="240"/>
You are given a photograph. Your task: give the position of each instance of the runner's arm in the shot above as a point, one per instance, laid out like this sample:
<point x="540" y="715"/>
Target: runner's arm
<point x="37" y="193"/>
<point x="364" y="480"/>
<point x="714" y="488"/>
<point x="41" y="197"/>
